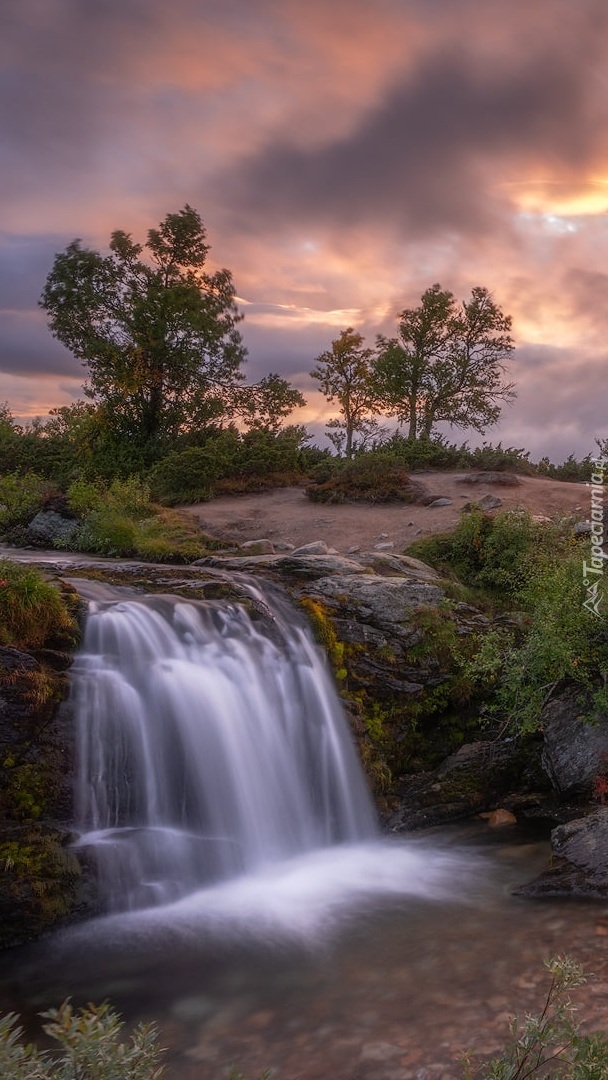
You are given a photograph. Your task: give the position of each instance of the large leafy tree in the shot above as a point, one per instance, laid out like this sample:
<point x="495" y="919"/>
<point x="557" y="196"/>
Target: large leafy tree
<point x="156" y="331"/>
<point x="345" y="373"/>
<point x="447" y="364"/>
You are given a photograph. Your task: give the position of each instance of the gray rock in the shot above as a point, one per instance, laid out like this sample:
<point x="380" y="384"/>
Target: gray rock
<point x="573" y="747"/>
<point x="490" y="502"/>
<point x="386" y="545"/>
<point x="385" y="602"/>
<point x="314" y="566"/>
<point x="258" y="547"/>
<point x="317" y="547"/>
<point x="48" y="527"/>
<point x="579" y="863"/>
<point x="441" y="501"/>
<point x="582" y="528"/>
<point x="353" y="550"/>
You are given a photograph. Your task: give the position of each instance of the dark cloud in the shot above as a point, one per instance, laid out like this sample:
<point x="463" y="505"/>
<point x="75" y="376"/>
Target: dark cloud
<point x="27" y="349"/>
<point x="419" y="159"/>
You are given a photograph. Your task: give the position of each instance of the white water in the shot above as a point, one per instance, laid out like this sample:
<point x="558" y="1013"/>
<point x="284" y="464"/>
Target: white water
<point x="218" y="780"/>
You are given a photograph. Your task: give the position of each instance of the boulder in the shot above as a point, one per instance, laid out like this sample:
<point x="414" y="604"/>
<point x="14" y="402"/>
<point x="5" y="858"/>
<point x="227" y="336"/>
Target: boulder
<point x="579" y="862"/>
<point x="317" y="547"/>
<point x="48" y="527"/>
<point x="257" y="547"/>
<point x="574" y="748"/>
<point x="489" y="502"/>
<point x="480" y="776"/>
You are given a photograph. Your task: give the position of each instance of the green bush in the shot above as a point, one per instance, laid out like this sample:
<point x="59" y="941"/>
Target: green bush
<point x="32" y="610"/>
<point x="551" y="1039"/>
<point x="21" y="497"/>
<point x="371" y="477"/>
<point x="90" y="1047"/>
<point x="570" y="469"/>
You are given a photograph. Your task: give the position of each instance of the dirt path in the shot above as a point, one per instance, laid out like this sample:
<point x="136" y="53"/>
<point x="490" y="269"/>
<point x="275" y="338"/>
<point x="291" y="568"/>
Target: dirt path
<point x="286" y="516"/>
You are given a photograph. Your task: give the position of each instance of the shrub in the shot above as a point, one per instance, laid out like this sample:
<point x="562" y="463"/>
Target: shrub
<point x="90" y="1047"/>
<point x="21" y="496"/>
<point x="552" y="1037"/>
<point x="371" y="477"/>
<point x="32" y="610"/>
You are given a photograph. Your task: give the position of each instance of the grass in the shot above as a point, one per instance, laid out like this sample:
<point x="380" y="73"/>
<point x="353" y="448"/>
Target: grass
<point x="33" y="612"/>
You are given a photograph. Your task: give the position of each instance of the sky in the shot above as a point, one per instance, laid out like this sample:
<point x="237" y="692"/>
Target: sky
<point x="344" y="155"/>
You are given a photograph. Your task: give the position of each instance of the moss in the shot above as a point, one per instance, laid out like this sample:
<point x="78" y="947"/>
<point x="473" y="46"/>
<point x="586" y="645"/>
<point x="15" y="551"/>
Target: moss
<point x="325" y="635"/>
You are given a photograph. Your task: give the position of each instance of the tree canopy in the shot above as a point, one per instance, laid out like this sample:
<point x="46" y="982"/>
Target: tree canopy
<point x="156" y="331"/>
<point x="447" y="363"/>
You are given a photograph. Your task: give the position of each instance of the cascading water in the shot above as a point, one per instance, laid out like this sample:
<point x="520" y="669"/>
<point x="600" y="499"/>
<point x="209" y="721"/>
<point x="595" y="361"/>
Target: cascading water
<point x="212" y="745"/>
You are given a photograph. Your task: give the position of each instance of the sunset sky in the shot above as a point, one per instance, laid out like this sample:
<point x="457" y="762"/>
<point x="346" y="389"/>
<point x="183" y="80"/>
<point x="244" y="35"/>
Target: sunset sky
<point x="344" y="155"/>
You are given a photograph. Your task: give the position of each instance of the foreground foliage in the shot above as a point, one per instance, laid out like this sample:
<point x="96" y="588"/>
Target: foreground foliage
<point x="549" y="1043"/>
<point x="90" y="1047"/>
<point x="32" y="610"/>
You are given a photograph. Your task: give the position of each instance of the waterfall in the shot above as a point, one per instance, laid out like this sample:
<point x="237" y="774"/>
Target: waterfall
<point x="212" y="744"/>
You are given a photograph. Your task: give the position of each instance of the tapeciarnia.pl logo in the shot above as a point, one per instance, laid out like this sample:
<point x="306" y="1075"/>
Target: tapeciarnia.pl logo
<point x="593" y="571"/>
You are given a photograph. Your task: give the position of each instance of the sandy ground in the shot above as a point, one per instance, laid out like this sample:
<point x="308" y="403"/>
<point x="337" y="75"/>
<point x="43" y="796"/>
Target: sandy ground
<point x="286" y="516"/>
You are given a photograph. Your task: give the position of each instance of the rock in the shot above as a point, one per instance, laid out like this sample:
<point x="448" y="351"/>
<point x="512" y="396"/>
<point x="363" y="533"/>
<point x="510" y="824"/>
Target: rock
<point x="489" y="502"/>
<point x="478" y="776"/>
<point x="390" y="564"/>
<point x="441" y="501"/>
<point x="385" y="602"/>
<point x="386" y="545"/>
<point x="47" y="527"/>
<point x="582" y="528"/>
<point x="382" y="536"/>
<point x="573" y="748"/>
<point x="317" y="547"/>
<point x="353" y="550"/>
<point x="579" y="863"/>
<point x="258" y="547"/>
<point x="499" y="817"/>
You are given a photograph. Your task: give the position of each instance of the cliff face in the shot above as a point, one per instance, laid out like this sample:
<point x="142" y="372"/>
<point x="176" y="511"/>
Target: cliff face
<point x="41" y="880"/>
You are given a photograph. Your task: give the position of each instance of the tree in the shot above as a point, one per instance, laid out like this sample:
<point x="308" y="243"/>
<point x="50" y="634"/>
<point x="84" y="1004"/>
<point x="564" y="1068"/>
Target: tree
<point x="266" y="404"/>
<point x="158" y="333"/>
<point x="447" y="364"/>
<point x="346" y="375"/>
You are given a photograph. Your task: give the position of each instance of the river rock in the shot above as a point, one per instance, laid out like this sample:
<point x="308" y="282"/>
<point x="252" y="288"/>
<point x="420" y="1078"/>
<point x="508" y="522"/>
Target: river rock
<point x="579" y="863"/>
<point x="575" y="750"/>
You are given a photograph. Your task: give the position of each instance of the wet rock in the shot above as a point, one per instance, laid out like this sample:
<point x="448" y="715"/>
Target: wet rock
<point x="499" y="817"/>
<point x="480" y="776"/>
<point x="579" y="863"/>
<point x="574" y="748"/>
